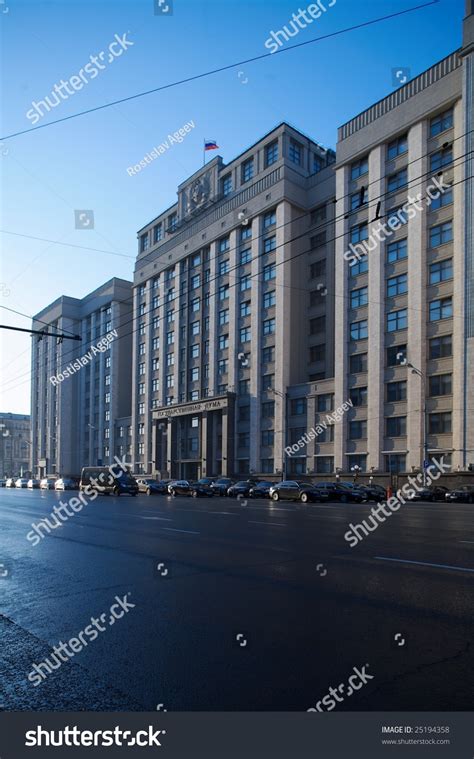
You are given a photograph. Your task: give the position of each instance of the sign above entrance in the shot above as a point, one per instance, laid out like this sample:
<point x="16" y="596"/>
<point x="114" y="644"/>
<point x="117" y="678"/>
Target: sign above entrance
<point x="191" y="408"/>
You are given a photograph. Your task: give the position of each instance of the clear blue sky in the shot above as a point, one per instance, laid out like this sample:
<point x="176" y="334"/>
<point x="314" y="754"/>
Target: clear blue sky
<point x="81" y="164"/>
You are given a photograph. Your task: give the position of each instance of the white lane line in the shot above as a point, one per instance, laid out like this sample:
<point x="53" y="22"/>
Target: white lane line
<point x="467" y="541"/>
<point x="425" y="564"/>
<point x="161" y="519"/>
<point x="175" y="529"/>
<point x="269" y="524"/>
<point x="229" y="513"/>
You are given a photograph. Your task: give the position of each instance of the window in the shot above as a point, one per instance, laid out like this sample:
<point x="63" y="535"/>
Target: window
<point x="223" y="342"/>
<point x="441" y="123"/>
<point x="359" y="330"/>
<point x="395" y="463"/>
<point x="107" y="362"/>
<point x="359" y="198"/>
<point x="397" y="285"/>
<point x="359" y="168"/>
<point x="269" y="272"/>
<point x="441" y="347"/>
<point x="271" y="153"/>
<point x="358" y="363"/>
<point x="141" y="369"/>
<point x="441" y="158"/>
<point x="318" y="215"/>
<point x="195" y="328"/>
<point x="245" y="308"/>
<point x="269" y="299"/>
<point x="268" y="381"/>
<point x="268" y="409"/>
<point x="267" y="466"/>
<point x="245" y="233"/>
<point x="396" y="354"/>
<point x="245" y="256"/>
<point x="317" y="353"/>
<point x="144" y="242"/>
<point x="244" y="413"/>
<point x="170" y="359"/>
<point x="360" y="267"/>
<point x="297" y="406"/>
<point x="196" y="260"/>
<point x="268" y="437"/>
<point x="223" y="292"/>
<point x="396" y="251"/>
<point x="226" y="184"/>
<point x="295" y="152"/>
<point x="141" y="388"/>
<point x="318" y="269"/>
<point x="245" y="335"/>
<point x="155" y="301"/>
<point x="357" y="429"/>
<point x="325" y="402"/>
<point x="172" y="222"/>
<point x="244" y="387"/>
<point x="269" y="244"/>
<point x="327" y="435"/>
<point x="247" y="170"/>
<point x="396" y="391"/>
<point x="155" y="385"/>
<point x="397" y="181"/>
<point x="194" y="374"/>
<point x="441" y="271"/>
<point x="268" y="354"/>
<point x="318" y="163"/>
<point x="170" y="314"/>
<point x="441" y="234"/>
<point x="358" y="460"/>
<point x="224" y="316"/>
<point x="397" y="147"/>
<point x="141" y="408"/>
<point x="444" y="199"/>
<point x="245" y="282"/>
<point x="359" y="232"/>
<point x="169" y="381"/>
<point x="396" y="426"/>
<point x="359" y="297"/>
<point x="142" y="309"/>
<point x="195" y="281"/>
<point x="324" y="464"/>
<point x="243" y="440"/>
<point x="439" y="424"/>
<point x="224" y="267"/>
<point x="358" y="396"/>
<point x="141" y="349"/>
<point x="441" y="309"/>
<point x="141" y="329"/>
<point x="269" y="219"/>
<point x="397" y="320"/>
<point x="157" y="232"/>
<point x="194" y="351"/>
<point x="317" y="325"/>
<point x="440" y="384"/>
<point x="269" y="327"/>
<point x="317" y="241"/>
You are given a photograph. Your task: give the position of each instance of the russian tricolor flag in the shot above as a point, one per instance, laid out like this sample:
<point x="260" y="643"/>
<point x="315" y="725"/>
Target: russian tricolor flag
<point x="210" y="145"/>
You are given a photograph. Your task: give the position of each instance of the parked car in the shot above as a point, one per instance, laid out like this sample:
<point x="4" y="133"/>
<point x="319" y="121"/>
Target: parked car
<point x="374" y="492"/>
<point x="463" y="494"/>
<point x="151" y="487"/>
<point x="33" y="483"/>
<point x="10" y="483"/>
<point x="291" y="490"/>
<point x="261" y="489"/>
<point x="241" y="488"/>
<point x="205" y="483"/>
<point x="343" y="492"/>
<point x="3" y="482"/>
<point x="21" y="482"/>
<point x="194" y="489"/>
<point x="48" y="483"/>
<point x="101" y="479"/>
<point x="66" y="483"/>
<point x="221" y="485"/>
<point x="432" y="493"/>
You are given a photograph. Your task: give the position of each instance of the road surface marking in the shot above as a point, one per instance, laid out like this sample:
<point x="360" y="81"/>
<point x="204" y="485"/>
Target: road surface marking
<point x="162" y="519"/>
<point x="425" y="564"/>
<point x="467" y="541"/>
<point x="175" y="529"/>
<point x="269" y="524"/>
<point x="229" y="513"/>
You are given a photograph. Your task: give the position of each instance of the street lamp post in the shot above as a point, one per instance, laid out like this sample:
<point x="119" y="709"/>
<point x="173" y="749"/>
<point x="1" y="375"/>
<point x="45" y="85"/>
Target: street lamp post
<point x="404" y="362"/>
<point x="284" y="397"/>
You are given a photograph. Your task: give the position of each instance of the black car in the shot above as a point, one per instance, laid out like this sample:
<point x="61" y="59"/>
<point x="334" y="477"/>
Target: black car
<point x="343" y="492"/>
<point x="290" y="490"/>
<point x="374" y="492"/>
<point x="221" y="485"/>
<point x="463" y="494"/>
<point x="241" y="488"/>
<point x="433" y="493"/>
<point x="261" y="490"/>
<point x="193" y="489"/>
<point x="151" y="487"/>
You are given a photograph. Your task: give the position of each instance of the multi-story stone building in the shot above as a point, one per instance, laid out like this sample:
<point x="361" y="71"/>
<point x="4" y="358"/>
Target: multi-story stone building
<point x="80" y="389"/>
<point x="15" y="433"/>
<point x="227" y="282"/>
<point x="405" y="311"/>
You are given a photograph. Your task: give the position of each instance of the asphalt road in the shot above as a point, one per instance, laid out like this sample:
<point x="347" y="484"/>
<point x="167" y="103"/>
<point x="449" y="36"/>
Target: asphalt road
<point x="236" y="607"/>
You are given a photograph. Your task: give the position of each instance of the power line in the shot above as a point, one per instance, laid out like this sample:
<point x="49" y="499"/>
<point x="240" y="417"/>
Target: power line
<point x="222" y="68"/>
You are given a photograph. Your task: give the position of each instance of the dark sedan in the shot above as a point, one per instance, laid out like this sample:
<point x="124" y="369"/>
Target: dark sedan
<point x="261" y="490"/>
<point x="374" y="492"/>
<point x="151" y="487"/>
<point x="290" y="490"/>
<point x="241" y="488"/>
<point x="221" y="485"/>
<point x="343" y="492"/>
<point x="193" y="489"/>
<point x="464" y="494"/>
<point x="434" y="493"/>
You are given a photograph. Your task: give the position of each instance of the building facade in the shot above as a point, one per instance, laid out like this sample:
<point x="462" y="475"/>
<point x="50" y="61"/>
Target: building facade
<point x="15" y="433"/>
<point x="405" y="309"/>
<point x="80" y="389"/>
<point x="227" y="282"/>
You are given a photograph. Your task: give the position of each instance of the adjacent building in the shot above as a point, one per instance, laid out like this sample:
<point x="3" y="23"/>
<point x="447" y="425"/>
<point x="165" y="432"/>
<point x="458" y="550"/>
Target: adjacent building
<point x="80" y="388"/>
<point x="14" y="445"/>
